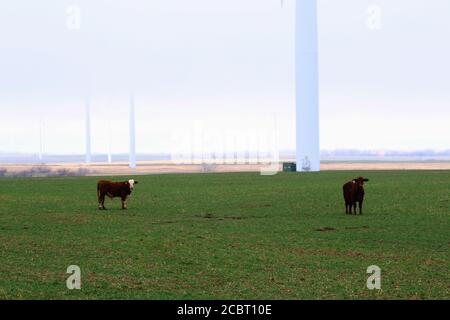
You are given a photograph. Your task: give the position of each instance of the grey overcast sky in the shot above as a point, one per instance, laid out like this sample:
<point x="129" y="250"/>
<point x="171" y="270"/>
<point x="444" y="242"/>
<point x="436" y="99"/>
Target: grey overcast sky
<point x="222" y="65"/>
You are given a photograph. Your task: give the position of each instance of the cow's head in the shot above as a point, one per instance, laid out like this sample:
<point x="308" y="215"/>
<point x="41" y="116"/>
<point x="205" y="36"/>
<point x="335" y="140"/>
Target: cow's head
<point x="131" y="184"/>
<point x="360" y="181"/>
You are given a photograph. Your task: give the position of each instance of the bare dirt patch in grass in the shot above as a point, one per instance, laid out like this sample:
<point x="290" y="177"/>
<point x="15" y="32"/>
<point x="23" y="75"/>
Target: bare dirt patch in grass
<point x="325" y="229"/>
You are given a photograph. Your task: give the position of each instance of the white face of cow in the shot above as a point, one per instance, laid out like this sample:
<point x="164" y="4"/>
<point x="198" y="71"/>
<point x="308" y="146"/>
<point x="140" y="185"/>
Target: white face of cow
<point x="131" y="182"/>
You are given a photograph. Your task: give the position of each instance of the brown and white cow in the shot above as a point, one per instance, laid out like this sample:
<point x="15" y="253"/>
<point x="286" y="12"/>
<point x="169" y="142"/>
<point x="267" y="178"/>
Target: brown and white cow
<point x="353" y="193"/>
<point x="113" y="190"/>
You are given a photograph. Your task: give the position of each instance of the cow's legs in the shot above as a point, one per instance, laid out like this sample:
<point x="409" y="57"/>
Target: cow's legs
<point x="354" y="208"/>
<point x="124" y="203"/>
<point x="101" y="202"/>
<point x="348" y="205"/>
<point x="360" y="207"/>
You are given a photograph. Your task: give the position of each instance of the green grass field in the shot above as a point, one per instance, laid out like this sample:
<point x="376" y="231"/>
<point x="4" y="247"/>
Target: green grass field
<point x="227" y="236"/>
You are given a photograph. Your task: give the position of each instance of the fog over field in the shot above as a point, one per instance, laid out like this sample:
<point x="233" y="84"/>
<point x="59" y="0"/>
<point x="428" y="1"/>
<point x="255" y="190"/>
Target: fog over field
<point x="222" y="68"/>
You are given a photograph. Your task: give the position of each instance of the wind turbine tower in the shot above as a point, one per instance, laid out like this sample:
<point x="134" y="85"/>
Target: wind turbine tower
<point x="41" y="139"/>
<point x="132" y="160"/>
<point x="307" y="86"/>
<point x="109" y="142"/>
<point x="88" y="131"/>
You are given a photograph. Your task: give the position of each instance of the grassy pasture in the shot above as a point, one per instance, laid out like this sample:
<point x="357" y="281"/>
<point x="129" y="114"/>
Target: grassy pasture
<point x="227" y="236"/>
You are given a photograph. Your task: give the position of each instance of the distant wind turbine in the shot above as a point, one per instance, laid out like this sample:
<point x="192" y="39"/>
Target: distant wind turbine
<point x="88" y="130"/>
<point x="41" y="139"/>
<point x="109" y="141"/>
<point x="132" y="160"/>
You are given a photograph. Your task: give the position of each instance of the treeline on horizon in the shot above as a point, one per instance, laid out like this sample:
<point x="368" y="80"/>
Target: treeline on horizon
<point x="43" y="171"/>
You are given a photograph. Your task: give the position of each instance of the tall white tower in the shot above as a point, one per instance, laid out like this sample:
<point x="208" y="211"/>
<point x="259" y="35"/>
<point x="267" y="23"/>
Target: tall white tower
<point x="109" y="142"/>
<point x="132" y="160"/>
<point x="88" y="130"/>
<point x="307" y="86"/>
<point x="41" y="139"/>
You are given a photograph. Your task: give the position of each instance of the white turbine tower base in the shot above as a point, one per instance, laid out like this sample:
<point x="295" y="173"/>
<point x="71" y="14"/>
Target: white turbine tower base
<point x="41" y="140"/>
<point x="132" y="160"/>
<point x="88" y="131"/>
<point x="109" y="142"/>
<point x="307" y="83"/>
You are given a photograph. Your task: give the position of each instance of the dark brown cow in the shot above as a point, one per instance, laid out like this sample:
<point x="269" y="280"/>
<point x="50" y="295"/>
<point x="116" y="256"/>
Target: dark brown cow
<point x="353" y="193"/>
<point x="113" y="190"/>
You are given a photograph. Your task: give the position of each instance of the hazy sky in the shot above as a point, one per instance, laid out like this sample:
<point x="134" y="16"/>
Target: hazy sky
<point x="226" y="66"/>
